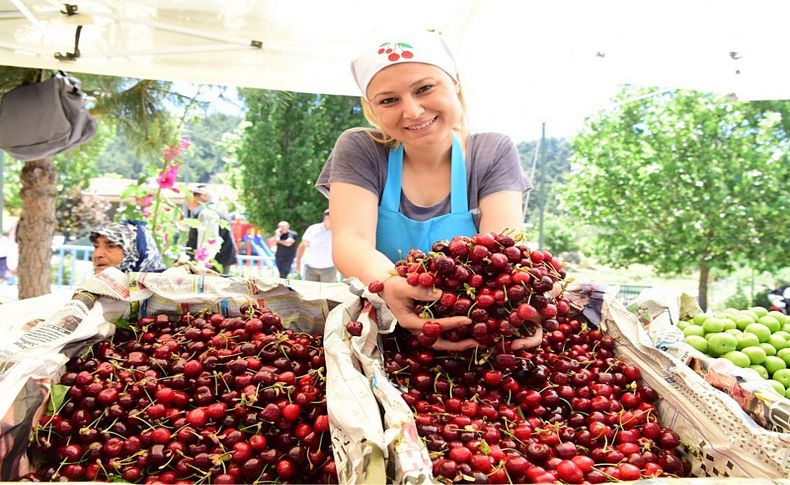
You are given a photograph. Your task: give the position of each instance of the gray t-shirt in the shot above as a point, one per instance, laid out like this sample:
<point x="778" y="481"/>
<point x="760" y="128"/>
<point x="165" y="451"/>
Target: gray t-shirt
<point x="492" y="165"/>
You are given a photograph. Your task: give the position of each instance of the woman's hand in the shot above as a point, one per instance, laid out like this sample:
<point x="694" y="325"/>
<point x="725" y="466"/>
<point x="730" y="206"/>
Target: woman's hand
<point x="535" y="339"/>
<point x="400" y="298"/>
<point x="532" y="341"/>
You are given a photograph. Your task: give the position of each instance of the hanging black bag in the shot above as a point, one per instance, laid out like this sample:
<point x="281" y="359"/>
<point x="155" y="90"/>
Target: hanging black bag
<point x="44" y="119"/>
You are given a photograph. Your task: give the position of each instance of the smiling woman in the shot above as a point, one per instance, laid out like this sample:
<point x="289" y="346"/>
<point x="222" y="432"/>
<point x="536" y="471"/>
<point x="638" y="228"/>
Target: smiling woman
<point x="127" y="246"/>
<point x="418" y="176"/>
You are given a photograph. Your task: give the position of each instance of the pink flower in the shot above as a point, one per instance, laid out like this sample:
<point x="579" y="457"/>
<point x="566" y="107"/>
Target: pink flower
<point x="168" y="178"/>
<point x="145" y="201"/>
<point x="169" y="153"/>
<point x="201" y="254"/>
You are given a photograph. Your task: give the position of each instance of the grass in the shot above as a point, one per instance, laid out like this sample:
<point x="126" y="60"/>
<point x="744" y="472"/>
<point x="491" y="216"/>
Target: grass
<point x="719" y="290"/>
<point x="636" y="274"/>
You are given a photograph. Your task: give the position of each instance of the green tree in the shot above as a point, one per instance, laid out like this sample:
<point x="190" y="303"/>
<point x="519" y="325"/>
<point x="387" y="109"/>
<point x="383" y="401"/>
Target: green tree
<point x="684" y="180"/>
<point x="551" y="167"/>
<point x="201" y="164"/>
<point x="119" y="158"/>
<point x="77" y="213"/>
<point x="561" y="235"/>
<point x="138" y="107"/>
<point x="204" y="161"/>
<point x="283" y="149"/>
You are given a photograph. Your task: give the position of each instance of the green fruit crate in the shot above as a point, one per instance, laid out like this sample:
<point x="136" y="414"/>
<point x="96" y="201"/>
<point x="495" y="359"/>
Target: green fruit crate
<point x="743" y="353"/>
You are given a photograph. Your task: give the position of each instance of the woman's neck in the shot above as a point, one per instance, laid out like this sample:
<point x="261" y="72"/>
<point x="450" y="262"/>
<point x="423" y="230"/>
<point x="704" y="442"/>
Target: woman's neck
<point x="430" y="156"/>
<point x="424" y="158"/>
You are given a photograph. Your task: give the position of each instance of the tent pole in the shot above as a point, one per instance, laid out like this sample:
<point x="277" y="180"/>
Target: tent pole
<point x="538" y="147"/>
<point x="41" y="15"/>
<point x="24" y="48"/>
<point x="25" y="11"/>
<point x="165" y="52"/>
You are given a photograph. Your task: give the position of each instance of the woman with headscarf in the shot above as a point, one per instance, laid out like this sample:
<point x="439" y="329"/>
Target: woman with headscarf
<point x="128" y="246"/>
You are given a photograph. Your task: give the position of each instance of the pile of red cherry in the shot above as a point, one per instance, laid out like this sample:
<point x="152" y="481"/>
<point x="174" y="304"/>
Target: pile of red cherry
<point x="193" y="399"/>
<point x="568" y="410"/>
<point x="502" y="285"/>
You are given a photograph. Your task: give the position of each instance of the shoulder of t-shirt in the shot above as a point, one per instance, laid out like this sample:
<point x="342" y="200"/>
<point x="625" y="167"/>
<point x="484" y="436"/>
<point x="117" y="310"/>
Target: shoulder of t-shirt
<point x="355" y="144"/>
<point x="357" y="136"/>
<point x="491" y="138"/>
<point x="311" y="230"/>
<point x="491" y="143"/>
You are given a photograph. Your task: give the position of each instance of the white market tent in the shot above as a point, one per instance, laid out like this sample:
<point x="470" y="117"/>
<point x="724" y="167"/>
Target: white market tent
<point x="520" y="60"/>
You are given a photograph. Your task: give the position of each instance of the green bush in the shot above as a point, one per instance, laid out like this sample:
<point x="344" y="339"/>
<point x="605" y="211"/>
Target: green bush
<point x="559" y="236"/>
<point x="737" y="300"/>
<point x="66" y="262"/>
<point x="761" y="298"/>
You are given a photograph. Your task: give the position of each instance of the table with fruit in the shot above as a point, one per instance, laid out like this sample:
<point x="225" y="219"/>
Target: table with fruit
<point x="206" y="397"/>
<point x="754" y="338"/>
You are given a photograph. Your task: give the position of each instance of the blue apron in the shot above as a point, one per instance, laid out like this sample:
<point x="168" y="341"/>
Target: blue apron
<point x="396" y="234"/>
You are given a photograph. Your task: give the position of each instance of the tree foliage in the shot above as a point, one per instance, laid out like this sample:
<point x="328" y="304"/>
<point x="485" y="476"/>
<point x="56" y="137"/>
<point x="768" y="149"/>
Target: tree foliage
<point x="205" y="160"/>
<point x="134" y="122"/>
<point x="120" y="158"/>
<point x="551" y="167"/>
<point x="76" y="213"/>
<point x="684" y="180"/>
<point x="139" y="106"/>
<point x="550" y="159"/>
<point x="140" y="109"/>
<point x="283" y="149"/>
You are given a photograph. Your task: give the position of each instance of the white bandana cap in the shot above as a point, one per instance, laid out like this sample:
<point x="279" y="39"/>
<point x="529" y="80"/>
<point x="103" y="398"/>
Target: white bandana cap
<point x="425" y="47"/>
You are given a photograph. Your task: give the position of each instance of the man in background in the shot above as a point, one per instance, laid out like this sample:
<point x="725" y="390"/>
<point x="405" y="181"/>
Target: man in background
<point x="284" y="245"/>
<point x="314" y="255"/>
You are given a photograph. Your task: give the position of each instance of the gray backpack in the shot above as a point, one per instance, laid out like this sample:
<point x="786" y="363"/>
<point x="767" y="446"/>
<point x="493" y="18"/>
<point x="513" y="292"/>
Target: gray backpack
<point x="44" y="119"/>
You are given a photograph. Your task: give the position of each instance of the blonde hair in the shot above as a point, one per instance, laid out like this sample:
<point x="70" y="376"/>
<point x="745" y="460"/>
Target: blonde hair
<point x="379" y="136"/>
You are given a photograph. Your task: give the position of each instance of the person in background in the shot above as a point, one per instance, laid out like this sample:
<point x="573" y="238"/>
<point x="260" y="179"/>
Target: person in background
<point x="284" y="242"/>
<point x="780" y="299"/>
<point x="314" y="255"/>
<point x="199" y="207"/>
<point x="9" y="256"/>
<point x="418" y="176"/>
<point x="128" y="246"/>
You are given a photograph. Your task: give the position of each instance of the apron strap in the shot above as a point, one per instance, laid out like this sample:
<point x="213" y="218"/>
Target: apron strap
<point x="390" y="198"/>
<point x="459" y="203"/>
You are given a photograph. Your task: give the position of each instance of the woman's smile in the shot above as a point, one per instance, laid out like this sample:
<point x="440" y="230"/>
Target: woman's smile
<point x="423" y="125"/>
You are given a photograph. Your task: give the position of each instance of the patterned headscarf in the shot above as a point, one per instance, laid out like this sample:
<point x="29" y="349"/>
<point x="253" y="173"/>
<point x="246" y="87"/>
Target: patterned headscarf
<point x="139" y="249"/>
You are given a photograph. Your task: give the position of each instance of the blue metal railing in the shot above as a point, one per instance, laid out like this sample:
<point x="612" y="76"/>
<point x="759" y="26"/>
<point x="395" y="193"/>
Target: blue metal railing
<point x="77" y="259"/>
<point x="80" y="267"/>
<point x="77" y="271"/>
<point x="254" y="266"/>
<point x="628" y="293"/>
